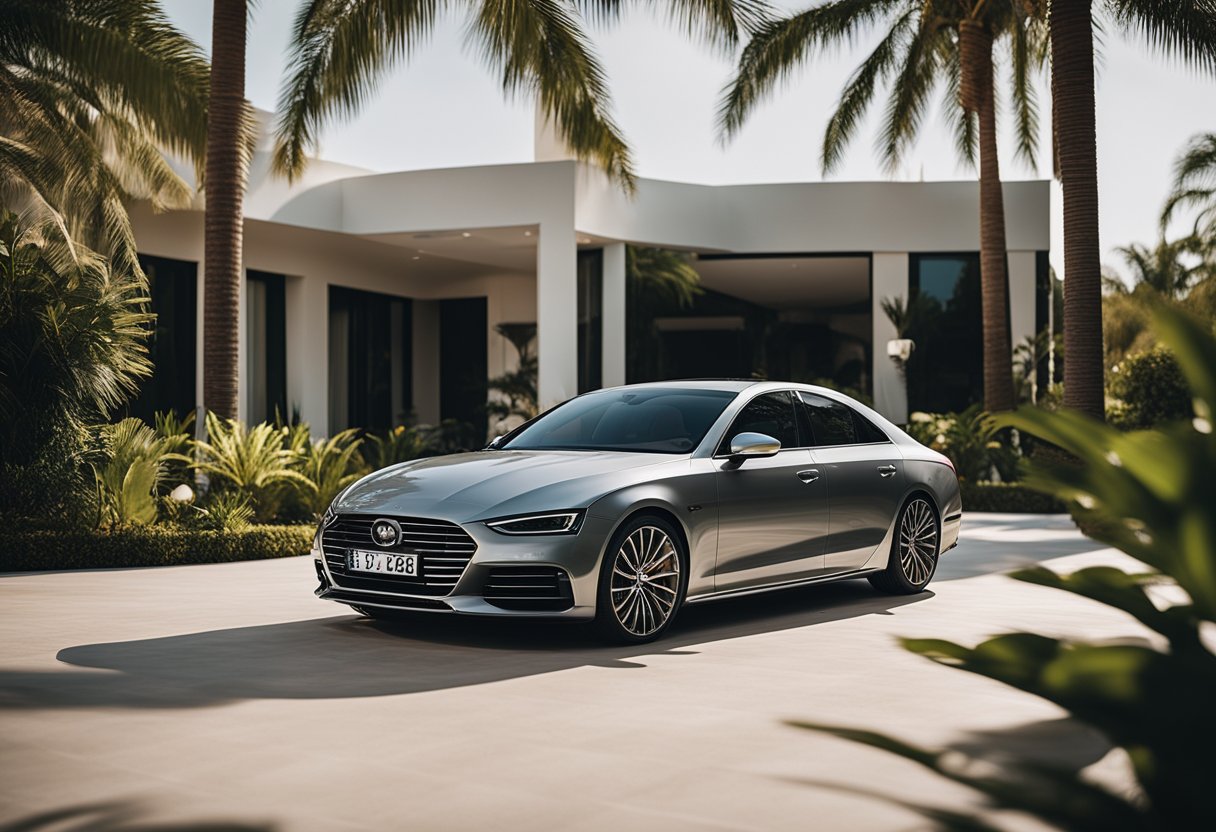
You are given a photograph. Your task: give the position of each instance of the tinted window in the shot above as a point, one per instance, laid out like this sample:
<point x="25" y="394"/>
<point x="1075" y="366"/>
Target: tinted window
<point x="771" y="414"/>
<point x="831" y="421"/>
<point x="867" y="431"/>
<point x="659" y="420"/>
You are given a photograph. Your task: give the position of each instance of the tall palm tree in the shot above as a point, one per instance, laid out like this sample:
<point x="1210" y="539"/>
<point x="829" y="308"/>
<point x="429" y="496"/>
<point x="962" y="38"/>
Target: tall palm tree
<point x="229" y="126"/>
<point x="1184" y="29"/>
<point x="925" y="44"/>
<point x="340" y="47"/>
<point x="91" y="92"/>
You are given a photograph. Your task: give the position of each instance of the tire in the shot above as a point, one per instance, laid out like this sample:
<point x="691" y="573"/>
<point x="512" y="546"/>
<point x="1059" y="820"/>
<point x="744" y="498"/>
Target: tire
<point x="636" y="604"/>
<point x="914" y="550"/>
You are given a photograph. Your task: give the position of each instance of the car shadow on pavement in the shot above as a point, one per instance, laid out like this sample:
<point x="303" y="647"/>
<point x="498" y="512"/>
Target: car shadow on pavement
<point x="350" y="656"/>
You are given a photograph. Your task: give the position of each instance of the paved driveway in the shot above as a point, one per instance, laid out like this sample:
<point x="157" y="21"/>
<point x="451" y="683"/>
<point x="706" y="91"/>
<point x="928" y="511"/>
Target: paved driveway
<point x="227" y="692"/>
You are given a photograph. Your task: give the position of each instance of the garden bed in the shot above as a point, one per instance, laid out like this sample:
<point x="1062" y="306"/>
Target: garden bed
<point x="1008" y="497"/>
<point x="148" y="546"/>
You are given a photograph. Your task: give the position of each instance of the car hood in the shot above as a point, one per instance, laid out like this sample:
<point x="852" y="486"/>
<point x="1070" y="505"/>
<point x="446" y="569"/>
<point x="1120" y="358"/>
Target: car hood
<point x="485" y="484"/>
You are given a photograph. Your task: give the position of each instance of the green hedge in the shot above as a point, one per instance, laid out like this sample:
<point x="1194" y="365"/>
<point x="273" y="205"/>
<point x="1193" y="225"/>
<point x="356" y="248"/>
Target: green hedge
<point x="147" y="546"/>
<point x="1008" y="497"/>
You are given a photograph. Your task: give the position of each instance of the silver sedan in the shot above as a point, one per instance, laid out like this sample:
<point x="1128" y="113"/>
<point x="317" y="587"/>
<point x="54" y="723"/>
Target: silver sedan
<point x="623" y="505"/>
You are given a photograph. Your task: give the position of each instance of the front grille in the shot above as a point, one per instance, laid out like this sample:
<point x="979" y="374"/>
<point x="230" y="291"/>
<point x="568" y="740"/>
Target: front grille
<point x="444" y="550"/>
<point x="536" y="588"/>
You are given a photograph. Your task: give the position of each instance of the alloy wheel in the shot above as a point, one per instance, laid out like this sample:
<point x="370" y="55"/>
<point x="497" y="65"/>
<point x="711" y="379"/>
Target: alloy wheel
<point x="917" y="542"/>
<point x="645" y="581"/>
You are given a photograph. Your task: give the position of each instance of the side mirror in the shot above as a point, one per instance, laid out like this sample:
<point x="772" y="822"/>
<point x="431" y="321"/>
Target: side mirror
<point x="752" y="445"/>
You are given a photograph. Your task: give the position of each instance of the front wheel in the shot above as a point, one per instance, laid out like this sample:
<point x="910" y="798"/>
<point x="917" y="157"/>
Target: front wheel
<point x="642" y="581"/>
<point x="913" y="551"/>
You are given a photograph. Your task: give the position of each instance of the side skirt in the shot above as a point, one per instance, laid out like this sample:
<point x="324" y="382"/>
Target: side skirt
<point x="755" y="590"/>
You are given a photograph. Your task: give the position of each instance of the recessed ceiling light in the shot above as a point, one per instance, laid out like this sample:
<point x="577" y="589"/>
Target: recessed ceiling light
<point x="415" y="257"/>
<point x="466" y="234"/>
<point x="527" y="233"/>
<point x="584" y="239"/>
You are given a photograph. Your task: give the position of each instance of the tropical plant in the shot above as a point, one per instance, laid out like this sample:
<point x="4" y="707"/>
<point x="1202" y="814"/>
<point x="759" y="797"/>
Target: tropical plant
<point x="230" y="129"/>
<point x="72" y="349"/>
<point x="1195" y="187"/>
<point x="91" y="92"/>
<point x="251" y="459"/>
<point x="401" y="444"/>
<point x="1028" y="358"/>
<point x="1154" y="492"/>
<point x="1148" y="390"/>
<point x="330" y="465"/>
<point x="129" y="474"/>
<point x="973" y="440"/>
<point x="1182" y="29"/>
<point x="515" y="390"/>
<point x="226" y="511"/>
<point x="924" y="45"/>
<point x="179" y="442"/>
<point x="663" y="274"/>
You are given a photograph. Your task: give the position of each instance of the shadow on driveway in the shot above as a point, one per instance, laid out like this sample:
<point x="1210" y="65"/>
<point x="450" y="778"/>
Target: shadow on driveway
<point x="349" y="656"/>
<point x="994" y="543"/>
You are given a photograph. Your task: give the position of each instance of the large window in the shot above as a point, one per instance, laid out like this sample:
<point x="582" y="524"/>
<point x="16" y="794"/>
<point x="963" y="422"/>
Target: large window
<point x="590" y="320"/>
<point x="266" y="346"/>
<point x="462" y="363"/>
<point x="946" y="371"/>
<point x="172" y="348"/>
<point x="370" y="367"/>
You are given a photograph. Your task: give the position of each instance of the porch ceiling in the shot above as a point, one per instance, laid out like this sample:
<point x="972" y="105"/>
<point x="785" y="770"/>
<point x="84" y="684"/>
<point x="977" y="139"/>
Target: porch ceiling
<point x="790" y="282"/>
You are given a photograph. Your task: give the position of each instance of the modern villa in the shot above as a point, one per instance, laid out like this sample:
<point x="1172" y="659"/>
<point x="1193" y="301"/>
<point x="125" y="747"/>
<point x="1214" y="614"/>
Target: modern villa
<point x="374" y="296"/>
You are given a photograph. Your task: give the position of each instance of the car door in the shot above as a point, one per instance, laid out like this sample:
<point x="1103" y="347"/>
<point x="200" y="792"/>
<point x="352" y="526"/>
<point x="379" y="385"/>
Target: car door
<point x="772" y="511"/>
<point x="865" y="480"/>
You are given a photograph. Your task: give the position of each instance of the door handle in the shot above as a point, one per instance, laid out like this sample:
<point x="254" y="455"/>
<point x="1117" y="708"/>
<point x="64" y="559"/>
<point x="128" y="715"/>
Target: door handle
<point x="886" y="470"/>
<point x="808" y="476"/>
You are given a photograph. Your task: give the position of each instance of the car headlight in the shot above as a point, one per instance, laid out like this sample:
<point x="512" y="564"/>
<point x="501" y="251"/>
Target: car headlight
<point x="553" y="522"/>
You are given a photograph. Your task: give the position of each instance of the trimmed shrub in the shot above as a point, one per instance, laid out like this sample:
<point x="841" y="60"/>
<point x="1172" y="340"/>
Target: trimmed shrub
<point x="147" y="546"/>
<point x="1150" y="389"/>
<point x="1007" y="497"/>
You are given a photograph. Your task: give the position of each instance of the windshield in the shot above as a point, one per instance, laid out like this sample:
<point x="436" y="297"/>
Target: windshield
<point x="648" y="420"/>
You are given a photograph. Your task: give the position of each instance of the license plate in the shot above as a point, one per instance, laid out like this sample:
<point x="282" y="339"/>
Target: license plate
<point x="385" y="563"/>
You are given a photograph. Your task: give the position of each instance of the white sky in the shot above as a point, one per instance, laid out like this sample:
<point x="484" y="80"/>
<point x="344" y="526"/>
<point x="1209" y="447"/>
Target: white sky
<point x="444" y="109"/>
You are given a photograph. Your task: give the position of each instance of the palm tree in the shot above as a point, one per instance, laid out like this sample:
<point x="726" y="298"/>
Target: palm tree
<point x="1184" y="29"/>
<point x="1195" y="187"/>
<point x="924" y="44"/>
<point x="340" y="47"/>
<point x="229" y="126"/>
<point x="91" y="92"/>
<point x="1165" y="269"/>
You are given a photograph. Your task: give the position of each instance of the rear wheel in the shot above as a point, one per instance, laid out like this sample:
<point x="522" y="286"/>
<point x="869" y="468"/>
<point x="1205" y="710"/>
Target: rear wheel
<point x="642" y="581"/>
<point x="913" y="551"/>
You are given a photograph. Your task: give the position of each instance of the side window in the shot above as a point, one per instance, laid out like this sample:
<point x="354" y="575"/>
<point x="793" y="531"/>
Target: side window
<point x="867" y="431"/>
<point x="831" y="421"/>
<point x="771" y="414"/>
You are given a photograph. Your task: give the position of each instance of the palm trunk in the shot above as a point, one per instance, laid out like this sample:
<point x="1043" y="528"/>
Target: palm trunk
<point x="1072" y="91"/>
<point x="978" y="96"/>
<point x="226" y="172"/>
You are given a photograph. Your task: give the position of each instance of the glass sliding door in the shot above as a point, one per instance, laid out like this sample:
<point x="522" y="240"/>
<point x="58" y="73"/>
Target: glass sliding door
<point x="173" y="285"/>
<point x="266" y="347"/>
<point x="463" y="365"/>
<point x="370" y="366"/>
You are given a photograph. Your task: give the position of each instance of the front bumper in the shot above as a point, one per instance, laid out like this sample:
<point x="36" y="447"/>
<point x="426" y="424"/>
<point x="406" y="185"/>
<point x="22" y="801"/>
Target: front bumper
<point x="573" y="560"/>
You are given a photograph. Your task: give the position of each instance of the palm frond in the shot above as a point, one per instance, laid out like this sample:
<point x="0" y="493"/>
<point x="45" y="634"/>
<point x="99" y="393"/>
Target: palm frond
<point x="1026" y="54"/>
<point x="911" y="90"/>
<point x="539" y="47"/>
<point x="1182" y="29"/>
<point x="859" y="91"/>
<point x="1194" y="180"/>
<point x="780" y="46"/>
